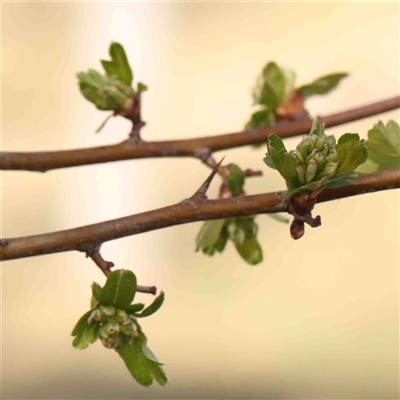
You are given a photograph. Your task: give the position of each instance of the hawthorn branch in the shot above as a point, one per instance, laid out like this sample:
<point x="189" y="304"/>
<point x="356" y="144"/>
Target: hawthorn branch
<point x="200" y="148"/>
<point x="189" y="210"/>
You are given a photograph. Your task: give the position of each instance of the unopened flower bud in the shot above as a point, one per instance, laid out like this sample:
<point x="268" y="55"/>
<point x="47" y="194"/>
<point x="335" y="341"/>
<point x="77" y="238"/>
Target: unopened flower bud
<point x="329" y="170"/>
<point x="311" y="170"/>
<point x="320" y="143"/>
<point x="109" y="329"/>
<point x="96" y="315"/>
<point x="333" y="156"/>
<point x="129" y="329"/>
<point x="311" y="155"/>
<point x="319" y="159"/>
<point x="111" y="342"/>
<point x="122" y="317"/>
<point x="301" y="174"/>
<point x="108" y="311"/>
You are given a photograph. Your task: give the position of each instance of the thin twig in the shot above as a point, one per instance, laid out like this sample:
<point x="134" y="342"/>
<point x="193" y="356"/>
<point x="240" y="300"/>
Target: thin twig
<point x="82" y="238"/>
<point x="200" y="148"/>
<point x="104" y="265"/>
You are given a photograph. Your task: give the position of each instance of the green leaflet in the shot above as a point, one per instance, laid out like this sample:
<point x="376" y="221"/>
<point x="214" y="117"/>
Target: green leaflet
<point x="250" y="250"/>
<point x="118" y="66"/>
<point x="119" y="290"/>
<point x="270" y="87"/>
<point x="259" y="119"/>
<point x="236" y="181"/>
<point x="153" y="307"/>
<point x="133" y="308"/>
<point x="141" y="362"/>
<point x="352" y="152"/>
<point x="321" y="85"/>
<point x="383" y="148"/>
<point x="84" y="333"/>
<point x="209" y="234"/>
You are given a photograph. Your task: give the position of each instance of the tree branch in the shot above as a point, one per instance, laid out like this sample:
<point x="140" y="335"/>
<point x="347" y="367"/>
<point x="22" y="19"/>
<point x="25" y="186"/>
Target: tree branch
<point x="200" y="148"/>
<point x="198" y="209"/>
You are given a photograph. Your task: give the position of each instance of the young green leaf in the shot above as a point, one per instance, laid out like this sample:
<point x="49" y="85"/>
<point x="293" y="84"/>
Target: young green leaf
<point x="118" y="66"/>
<point x="236" y="180"/>
<point x="352" y="152"/>
<point x="153" y="307"/>
<point x="270" y="88"/>
<point x="250" y="251"/>
<point x="340" y="182"/>
<point x="140" y="361"/>
<point x="84" y="333"/>
<point x="81" y="324"/>
<point x="383" y="148"/>
<point x="260" y="118"/>
<point x="96" y="290"/>
<point x="209" y="233"/>
<point x="87" y="337"/>
<point x="276" y="149"/>
<point x="119" y="290"/>
<point x="287" y="168"/>
<point x="134" y="308"/>
<point x="321" y="85"/>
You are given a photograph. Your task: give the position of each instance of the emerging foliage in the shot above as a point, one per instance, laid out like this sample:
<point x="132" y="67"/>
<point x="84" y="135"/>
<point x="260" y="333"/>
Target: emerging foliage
<point x="317" y="161"/>
<point x="383" y="148"/>
<point x="278" y="98"/>
<point x="113" y="90"/>
<point x="113" y="319"/>
<point x="242" y="231"/>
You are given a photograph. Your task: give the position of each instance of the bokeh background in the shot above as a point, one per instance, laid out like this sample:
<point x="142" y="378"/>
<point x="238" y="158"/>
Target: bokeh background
<point x="318" y="319"/>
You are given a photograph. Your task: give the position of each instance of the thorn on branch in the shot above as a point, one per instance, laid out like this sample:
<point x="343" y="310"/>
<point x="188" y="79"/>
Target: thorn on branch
<point x="104" y="265"/>
<point x="201" y="192"/>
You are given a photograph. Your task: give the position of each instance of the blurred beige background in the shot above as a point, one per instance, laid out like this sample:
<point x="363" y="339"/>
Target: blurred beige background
<point x="318" y="319"/>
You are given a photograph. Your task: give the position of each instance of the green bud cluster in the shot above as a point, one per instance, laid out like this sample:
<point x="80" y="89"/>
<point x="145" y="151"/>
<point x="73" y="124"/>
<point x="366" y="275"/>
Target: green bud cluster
<point x="106" y="92"/>
<point x="316" y="157"/>
<point x="318" y="160"/>
<point x="116" y="326"/>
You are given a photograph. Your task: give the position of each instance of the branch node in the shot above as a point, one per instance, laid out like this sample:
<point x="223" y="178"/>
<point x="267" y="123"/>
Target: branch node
<point x="4" y="242"/>
<point x="104" y="265"/>
<point x="135" y="132"/>
<point x="201" y="192"/>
